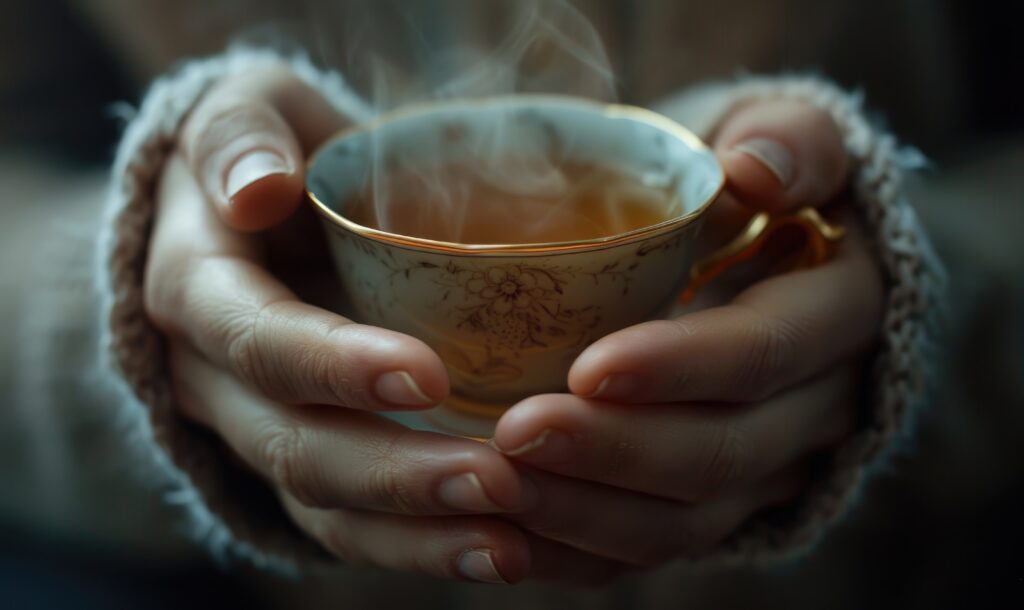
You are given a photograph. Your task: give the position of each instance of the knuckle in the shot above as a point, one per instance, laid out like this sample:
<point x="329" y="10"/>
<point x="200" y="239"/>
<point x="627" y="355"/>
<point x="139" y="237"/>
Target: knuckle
<point x="723" y="460"/>
<point x="771" y="349"/>
<point x="228" y="123"/>
<point x="832" y="155"/>
<point x="285" y="450"/>
<point x="226" y="116"/>
<point x="243" y="353"/>
<point x="385" y="483"/>
<point x="248" y="353"/>
<point x="680" y="379"/>
<point x="627" y="454"/>
<point x="342" y="376"/>
<point x="334" y="379"/>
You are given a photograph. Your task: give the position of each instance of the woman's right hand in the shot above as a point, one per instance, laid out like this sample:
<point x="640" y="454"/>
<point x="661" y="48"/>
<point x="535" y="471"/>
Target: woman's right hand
<point x="291" y="387"/>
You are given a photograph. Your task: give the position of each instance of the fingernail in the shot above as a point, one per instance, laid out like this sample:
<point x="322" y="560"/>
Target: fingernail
<point x="464" y="492"/>
<point x="772" y="155"/>
<point x="617" y="386"/>
<point x="478" y="565"/>
<point x="399" y="388"/>
<point x="252" y="167"/>
<point x="550" y="447"/>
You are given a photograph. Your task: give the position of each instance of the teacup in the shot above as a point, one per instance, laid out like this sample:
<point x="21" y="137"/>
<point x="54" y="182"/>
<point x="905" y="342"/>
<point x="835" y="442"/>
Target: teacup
<point x="508" y="320"/>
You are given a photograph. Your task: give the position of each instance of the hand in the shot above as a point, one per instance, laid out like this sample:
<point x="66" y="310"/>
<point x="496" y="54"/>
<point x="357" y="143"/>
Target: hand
<point x="290" y="387"/>
<point x="678" y="431"/>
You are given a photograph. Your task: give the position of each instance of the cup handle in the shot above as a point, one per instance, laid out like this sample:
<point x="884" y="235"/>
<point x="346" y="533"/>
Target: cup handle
<point x="822" y="239"/>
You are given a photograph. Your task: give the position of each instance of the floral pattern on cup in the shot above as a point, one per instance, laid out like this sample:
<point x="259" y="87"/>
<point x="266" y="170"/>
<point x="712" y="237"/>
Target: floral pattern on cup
<point x="513" y="306"/>
<point x="517" y="306"/>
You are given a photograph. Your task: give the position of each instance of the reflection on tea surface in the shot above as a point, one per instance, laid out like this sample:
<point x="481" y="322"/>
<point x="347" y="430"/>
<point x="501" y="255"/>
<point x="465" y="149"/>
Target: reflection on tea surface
<point x="458" y="203"/>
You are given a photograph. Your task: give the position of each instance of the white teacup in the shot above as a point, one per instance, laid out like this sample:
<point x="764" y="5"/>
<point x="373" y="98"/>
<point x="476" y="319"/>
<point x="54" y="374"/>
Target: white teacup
<point x="508" y="320"/>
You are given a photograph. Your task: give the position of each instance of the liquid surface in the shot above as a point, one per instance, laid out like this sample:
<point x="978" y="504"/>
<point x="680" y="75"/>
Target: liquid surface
<point x="516" y="204"/>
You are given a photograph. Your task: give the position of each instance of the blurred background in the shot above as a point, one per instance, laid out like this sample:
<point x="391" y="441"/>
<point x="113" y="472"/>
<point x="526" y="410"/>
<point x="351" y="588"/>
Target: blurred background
<point x="940" y="527"/>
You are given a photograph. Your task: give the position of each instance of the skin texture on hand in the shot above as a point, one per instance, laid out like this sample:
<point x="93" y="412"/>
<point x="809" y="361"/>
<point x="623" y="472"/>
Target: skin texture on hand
<point x="675" y="433"/>
<point x="289" y="386"/>
<point x="699" y="422"/>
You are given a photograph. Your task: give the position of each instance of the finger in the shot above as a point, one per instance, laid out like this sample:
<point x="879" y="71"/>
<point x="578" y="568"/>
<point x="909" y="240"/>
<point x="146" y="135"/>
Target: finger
<point x="476" y="549"/>
<point x="781" y="154"/>
<point x="778" y="332"/>
<point x="640" y="529"/>
<point x="246" y="142"/>
<point x="552" y="561"/>
<point x="205" y="284"/>
<point x="343" y="458"/>
<point x="683" y="451"/>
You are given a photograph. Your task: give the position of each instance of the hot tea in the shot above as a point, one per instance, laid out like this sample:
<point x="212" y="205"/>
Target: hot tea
<point x="512" y="203"/>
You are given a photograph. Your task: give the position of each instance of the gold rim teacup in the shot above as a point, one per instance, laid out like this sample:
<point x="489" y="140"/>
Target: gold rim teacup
<point x="508" y="320"/>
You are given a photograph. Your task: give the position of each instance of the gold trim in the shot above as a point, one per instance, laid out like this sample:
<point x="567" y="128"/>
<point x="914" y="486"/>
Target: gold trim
<point x="822" y="238"/>
<point x="635" y="113"/>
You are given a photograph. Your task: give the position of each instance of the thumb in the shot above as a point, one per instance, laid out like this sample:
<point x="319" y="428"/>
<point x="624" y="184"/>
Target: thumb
<point x="781" y="154"/>
<point x="245" y="143"/>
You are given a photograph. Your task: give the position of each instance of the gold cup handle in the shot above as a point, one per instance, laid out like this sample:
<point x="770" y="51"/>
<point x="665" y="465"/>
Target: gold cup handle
<point x="821" y="242"/>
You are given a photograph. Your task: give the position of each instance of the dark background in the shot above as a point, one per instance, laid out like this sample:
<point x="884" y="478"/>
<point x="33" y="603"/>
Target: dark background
<point x="59" y="77"/>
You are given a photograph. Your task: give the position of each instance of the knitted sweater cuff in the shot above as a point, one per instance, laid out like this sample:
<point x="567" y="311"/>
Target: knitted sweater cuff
<point x="915" y="282"/>
<point x="227" y="509"/>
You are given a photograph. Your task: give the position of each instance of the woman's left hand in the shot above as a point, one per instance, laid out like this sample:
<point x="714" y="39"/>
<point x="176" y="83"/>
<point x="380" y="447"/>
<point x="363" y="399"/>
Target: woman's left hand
<point x="678" y="431"/>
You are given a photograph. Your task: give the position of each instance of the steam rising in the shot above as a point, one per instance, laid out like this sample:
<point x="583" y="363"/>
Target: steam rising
<point x="400" y="53"/>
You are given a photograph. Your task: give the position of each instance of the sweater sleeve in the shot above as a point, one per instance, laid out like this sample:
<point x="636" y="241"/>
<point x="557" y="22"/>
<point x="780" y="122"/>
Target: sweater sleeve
<point x="915" y="282"/>
<point x="226" y="508"/>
